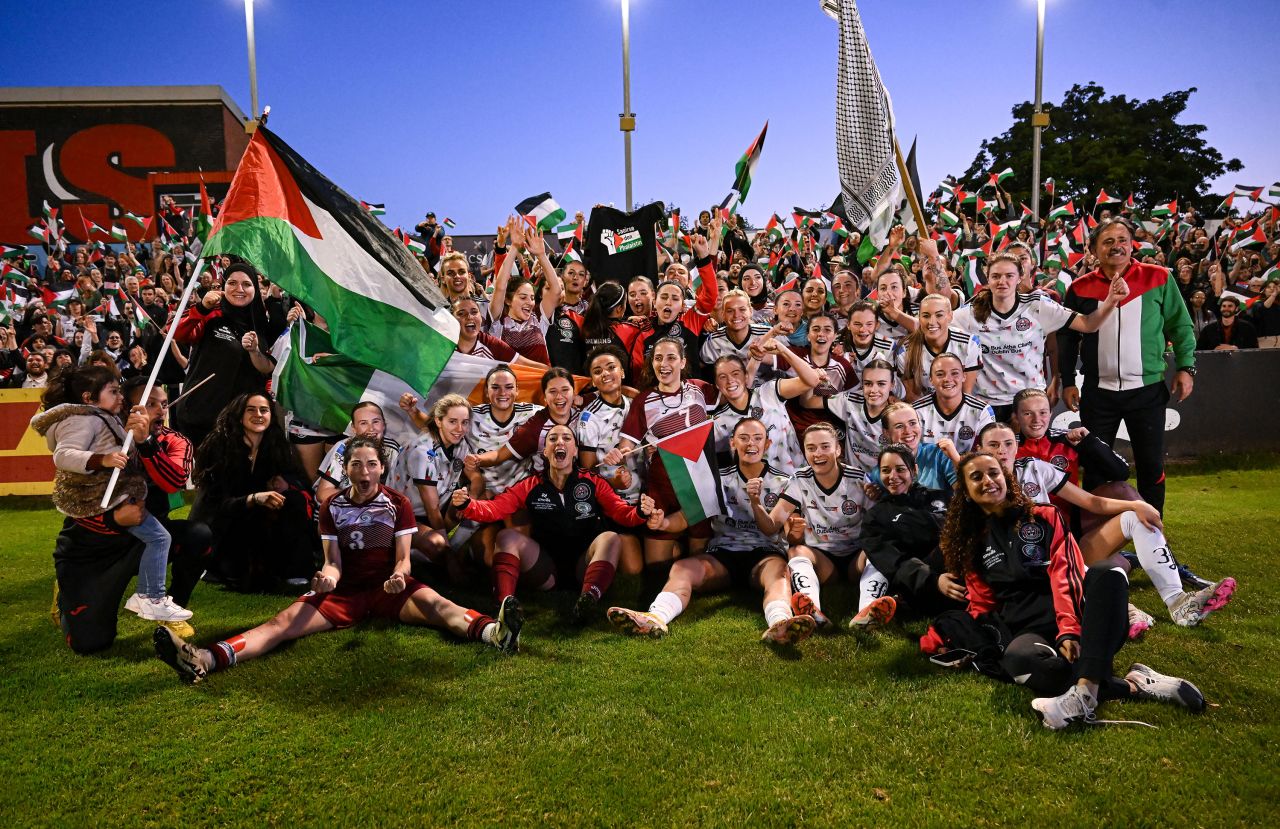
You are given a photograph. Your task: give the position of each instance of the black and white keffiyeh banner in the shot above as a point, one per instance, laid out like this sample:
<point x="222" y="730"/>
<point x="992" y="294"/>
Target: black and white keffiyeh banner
<point x="871" y="188"/>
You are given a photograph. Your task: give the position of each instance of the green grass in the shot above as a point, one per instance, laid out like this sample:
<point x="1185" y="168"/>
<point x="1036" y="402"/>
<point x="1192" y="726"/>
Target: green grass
<point x="385" y="725"/>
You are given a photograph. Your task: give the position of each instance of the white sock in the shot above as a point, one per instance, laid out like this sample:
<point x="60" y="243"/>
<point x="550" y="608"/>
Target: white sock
<point x="776" y="611"/>
<point x="804" y="579"/>
<point x="666" y="606"/>
<point x="1155" y="557"/>
<point x="486" y="635"/>
<point x="871" y="586"/>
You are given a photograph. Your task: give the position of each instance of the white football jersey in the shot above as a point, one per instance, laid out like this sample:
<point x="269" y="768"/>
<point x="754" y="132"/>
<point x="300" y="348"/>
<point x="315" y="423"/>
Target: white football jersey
<point x="1013" y="345"/>
<point x="425" y="462"/>
<point x="785" y="454"/>
<point x="962" y="425"/>
<point x="333" y="468"/>
<point x="964" y="346"/>
<point x="599" y="429"/>
<point x="486" y="434"/>
<point x="864" y="435"/>
<point x="736" y="530"/>
<point x="833" y="520"/>
<point x="1038" y="479"/>
<point x="719" y="345"/>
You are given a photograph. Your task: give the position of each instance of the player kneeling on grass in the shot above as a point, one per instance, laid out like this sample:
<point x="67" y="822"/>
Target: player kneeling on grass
<point x="821" y="512"/>
<point x="366" y="530"/>
<point x="1037" y="616"/>
<point x="567" y="507"/>
<point x="739" y="552"/>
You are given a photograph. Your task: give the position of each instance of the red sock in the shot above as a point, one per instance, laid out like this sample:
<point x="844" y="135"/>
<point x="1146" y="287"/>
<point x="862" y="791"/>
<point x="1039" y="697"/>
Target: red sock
<point x="224" y="652"/>
<point x="476" y="623"/>
<point x="506" y="572"/>
<point x="598" y="577"/>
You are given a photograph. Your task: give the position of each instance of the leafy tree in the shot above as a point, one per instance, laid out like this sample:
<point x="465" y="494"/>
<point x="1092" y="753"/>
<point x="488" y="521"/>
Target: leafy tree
<point x="1124" y="145"/>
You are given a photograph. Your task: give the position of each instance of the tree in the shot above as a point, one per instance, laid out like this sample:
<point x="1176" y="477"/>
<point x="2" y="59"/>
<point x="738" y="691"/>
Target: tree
<point x="1124" y="145"/>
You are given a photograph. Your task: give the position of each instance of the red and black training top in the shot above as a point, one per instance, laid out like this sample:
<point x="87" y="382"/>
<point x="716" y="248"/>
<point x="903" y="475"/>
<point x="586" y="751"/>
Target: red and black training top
<point x="1030" y="575"/>
<point x="570" y="517"/>
<point x="166" y="458"/>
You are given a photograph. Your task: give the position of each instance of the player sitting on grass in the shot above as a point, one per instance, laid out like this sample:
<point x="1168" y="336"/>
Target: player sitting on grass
<point x="366" y="530"/>
<point x="739" y="553"/>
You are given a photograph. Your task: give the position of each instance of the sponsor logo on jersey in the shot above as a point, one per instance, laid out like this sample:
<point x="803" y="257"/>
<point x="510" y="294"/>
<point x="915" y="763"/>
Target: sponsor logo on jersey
<point x="1032" y="554"/>
<point x="1031" y="532"/>
<point x="991" y="558"/>
<point x="583" y="508"/>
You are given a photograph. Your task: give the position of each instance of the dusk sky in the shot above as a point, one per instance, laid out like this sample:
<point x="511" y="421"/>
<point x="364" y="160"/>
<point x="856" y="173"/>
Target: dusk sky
<point x="466" y="108"/>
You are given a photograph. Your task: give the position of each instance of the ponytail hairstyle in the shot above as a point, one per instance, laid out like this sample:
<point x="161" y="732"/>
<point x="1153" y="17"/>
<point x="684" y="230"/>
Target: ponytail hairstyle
<point x="72" y="386"/>
<point x="982" y="299"/>
<point x="915" y="345"/>
<point x="906" y="294"/>
<point x="966" y="523"/>
<point x="500" y="368"/>
<point x="598" y="319"/>
<point x="1027" y="394"/>
<point x="364" y="442"/>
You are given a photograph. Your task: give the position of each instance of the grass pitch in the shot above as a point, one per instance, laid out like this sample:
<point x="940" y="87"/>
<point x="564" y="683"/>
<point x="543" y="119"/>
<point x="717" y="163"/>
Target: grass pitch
<point x="387" y="725"/>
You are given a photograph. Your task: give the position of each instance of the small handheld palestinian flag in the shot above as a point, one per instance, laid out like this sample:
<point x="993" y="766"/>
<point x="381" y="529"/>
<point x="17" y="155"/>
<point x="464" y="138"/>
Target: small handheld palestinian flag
<point x="1129" y="204"/>
<point x="379" y="209"/>
<point x="1248" y="191"/>
<point x="203" y="223"/>
<point x="1000" y="177"/>
<point x="137" y="220"/>
<point x="1104" y="198"/>
<point x="1048" y="186"/>
<point x="1026" y="211"/>
<point x="117" y="232"/>
<point x="947" y="218"/>
<point x="450" y="223"/>
<point x="1273" y="192"/>
<point x="39" y="232"/>
<point x="1063" y="211"/>
<point x="745" y="169"/>
<point x="1162" y="210"/>
<point x="541" y="211"/>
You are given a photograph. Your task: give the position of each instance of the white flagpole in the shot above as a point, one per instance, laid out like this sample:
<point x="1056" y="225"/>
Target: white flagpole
<point x="155" y="370"/>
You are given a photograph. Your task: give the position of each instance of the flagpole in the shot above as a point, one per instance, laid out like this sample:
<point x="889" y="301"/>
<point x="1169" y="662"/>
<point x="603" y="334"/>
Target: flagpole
<point x="909" y="186"/>
<point x="155" y="371"/>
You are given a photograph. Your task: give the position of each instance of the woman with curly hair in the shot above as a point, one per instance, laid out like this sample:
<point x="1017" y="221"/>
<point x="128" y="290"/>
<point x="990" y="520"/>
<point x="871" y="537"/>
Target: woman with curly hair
<point x="251" y="492"/>
<point x="1036" y="615"/>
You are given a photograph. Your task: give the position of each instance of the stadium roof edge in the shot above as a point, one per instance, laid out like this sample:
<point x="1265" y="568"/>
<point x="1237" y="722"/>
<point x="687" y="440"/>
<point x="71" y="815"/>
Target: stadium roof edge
<point x="71" y="95"/>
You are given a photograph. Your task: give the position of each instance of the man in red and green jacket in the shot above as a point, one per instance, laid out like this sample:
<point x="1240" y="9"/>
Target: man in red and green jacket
<point x="1123" y="362"/>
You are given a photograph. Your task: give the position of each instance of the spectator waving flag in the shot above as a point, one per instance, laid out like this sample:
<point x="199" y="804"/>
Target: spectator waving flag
<point x="317" y="243"/>
<point x="746" y="166"/>
<point x="871" y="189"/>
<point x="686" y="457"/>
<point x="203" y="223"/>
<point x="541" y="211"/>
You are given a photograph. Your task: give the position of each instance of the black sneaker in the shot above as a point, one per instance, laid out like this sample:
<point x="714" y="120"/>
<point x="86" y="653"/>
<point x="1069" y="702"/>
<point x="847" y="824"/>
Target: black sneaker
<point x="1190" y="579"/>
<point x="584" y="609"/>
<point x="510" y="621"/>
<point x="178" y="654"/>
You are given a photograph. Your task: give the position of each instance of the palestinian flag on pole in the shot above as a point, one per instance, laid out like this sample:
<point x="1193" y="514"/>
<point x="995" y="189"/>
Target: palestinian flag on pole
<point x="839" y="230"/>
<point x="773" y="229"/>
<point x="1000" y="177"/>
<point x="137" y="220"/>
<point x="566" y="231"/>
<point x="1063" y="211"/>
<point x="569" y="255"/>
<point x="203" y="223"/>
<point x="9" y="272"/>
<point x="1249" y="192"/>
<point x="415" y="247"/>
<point x="1026" y="212"/>
<point x="1225" y="206"/>
<point x="1129" y="204"/>
<point x="1162" y="210"/>
<point x="746" y="166"/>
<point x="449" y="223"/>
<point x="39" y="231"/>
<point x="687" y="457"/>
<point x="541" y="211"/>
<point x="1273" y="192"/>
<point x="947" y="218"/>
<point x="1104" y="198"/>
<point x="1256" y="239"/>
<point x="12" y="252"/>
<point x="1048" y="186"/>
<point x="1145" y="248"/>
<point x="374" y="209"/>
<point x="321" y="390"/>
<point x="118" y="233"/>
<point x="318" y="244"/>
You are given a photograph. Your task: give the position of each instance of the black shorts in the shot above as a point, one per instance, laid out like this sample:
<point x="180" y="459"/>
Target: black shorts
<point x="742" y="563"/>
<point x="94" y="564"/>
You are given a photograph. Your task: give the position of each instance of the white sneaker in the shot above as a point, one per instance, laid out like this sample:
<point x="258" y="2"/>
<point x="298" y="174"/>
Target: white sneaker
<point x="1076" y="705"/>
<point x="133" y="604"/>
<point x="1151" y="685"/>
<point x="163" y="610"/>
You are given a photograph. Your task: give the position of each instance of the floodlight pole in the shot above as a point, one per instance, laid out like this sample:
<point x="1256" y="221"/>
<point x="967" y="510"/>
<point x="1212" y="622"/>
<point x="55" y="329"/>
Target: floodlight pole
<point x="627" y="118"/>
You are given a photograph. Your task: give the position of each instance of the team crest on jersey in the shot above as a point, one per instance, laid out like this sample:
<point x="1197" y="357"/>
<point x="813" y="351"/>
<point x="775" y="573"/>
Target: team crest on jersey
<point x="581" y="492"/>
<point x="937" y="506"/>
<point x="457" y="464"/>
<point x="1060" y="461"/>
<point x="1033" y="554"/>
<point x="1031" y="532"/>
<point x="849" y="507"/>
<point x="1031" y="488"/>
<point x="1023" y="324"/>
<point x="770" y="499"/>
<point x="966" y="432"/>
<point x="366" y="518"/>
<point x="583" y="508"/>
<point x="757" y="412"/>
<point x="565" y="323"/>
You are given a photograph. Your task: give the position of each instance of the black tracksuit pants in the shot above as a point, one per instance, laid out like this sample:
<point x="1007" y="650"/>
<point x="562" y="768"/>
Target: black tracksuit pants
<point x="1142" y="412"/>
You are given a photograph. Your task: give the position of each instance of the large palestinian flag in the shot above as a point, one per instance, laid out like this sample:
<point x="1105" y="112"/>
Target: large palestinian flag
<point x="318" y="244"/>
<point x="686" y="456"/>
